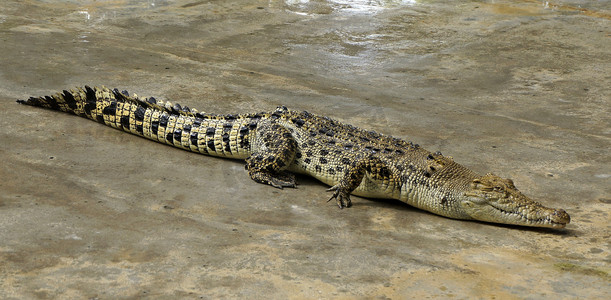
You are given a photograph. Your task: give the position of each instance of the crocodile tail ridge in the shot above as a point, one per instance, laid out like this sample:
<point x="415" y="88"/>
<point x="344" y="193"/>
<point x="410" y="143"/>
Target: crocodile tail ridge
<point x="81" y="101"/>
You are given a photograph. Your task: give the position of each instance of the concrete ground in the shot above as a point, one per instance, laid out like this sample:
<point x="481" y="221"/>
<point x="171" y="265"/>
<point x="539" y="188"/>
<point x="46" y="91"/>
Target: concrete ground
<point x="518" y="88"/>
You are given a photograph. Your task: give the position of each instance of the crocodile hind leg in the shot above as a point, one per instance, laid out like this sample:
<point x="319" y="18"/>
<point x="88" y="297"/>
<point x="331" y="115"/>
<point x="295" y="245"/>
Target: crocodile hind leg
<point x="273" y="151"/>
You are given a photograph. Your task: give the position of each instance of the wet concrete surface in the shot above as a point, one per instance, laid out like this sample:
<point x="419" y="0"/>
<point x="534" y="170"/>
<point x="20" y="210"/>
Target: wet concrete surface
<point x="518" y="88"/>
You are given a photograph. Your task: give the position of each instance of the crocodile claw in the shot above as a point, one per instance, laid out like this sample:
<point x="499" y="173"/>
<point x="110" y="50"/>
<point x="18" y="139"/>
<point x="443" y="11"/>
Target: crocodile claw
<point x="341" y="196"/>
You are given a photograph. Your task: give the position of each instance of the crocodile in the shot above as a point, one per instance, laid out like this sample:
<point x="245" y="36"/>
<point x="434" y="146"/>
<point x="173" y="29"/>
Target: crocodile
<point x="278" y="144"/>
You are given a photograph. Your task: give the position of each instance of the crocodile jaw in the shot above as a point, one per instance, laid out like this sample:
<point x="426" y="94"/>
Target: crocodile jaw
<point x="534" y="216"/>
<point x="493" y="199"/>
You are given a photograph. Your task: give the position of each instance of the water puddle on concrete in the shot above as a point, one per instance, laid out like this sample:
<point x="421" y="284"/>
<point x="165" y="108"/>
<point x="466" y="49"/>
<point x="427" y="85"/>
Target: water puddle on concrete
<point x="345" y="7"/>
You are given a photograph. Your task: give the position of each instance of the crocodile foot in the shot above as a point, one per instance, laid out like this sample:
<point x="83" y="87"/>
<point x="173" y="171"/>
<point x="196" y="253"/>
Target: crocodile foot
<point x="278" y="180"/>
<point x="341" y="195"/>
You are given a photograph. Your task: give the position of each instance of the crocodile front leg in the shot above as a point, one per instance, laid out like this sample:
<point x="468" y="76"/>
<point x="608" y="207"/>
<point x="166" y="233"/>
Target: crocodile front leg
<point x="370" y="166"/>
<point x="272" y="152"/>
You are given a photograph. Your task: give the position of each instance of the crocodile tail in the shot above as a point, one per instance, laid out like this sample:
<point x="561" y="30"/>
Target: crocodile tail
<point x="156" y="120"/>
<point x="92" y="102"/>
<point x="66" y="101"/>
<point x="99" y="102"/>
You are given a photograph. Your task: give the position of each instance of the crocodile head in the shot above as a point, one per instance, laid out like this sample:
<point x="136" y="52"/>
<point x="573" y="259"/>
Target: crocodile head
<point x="493" y="199"/>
